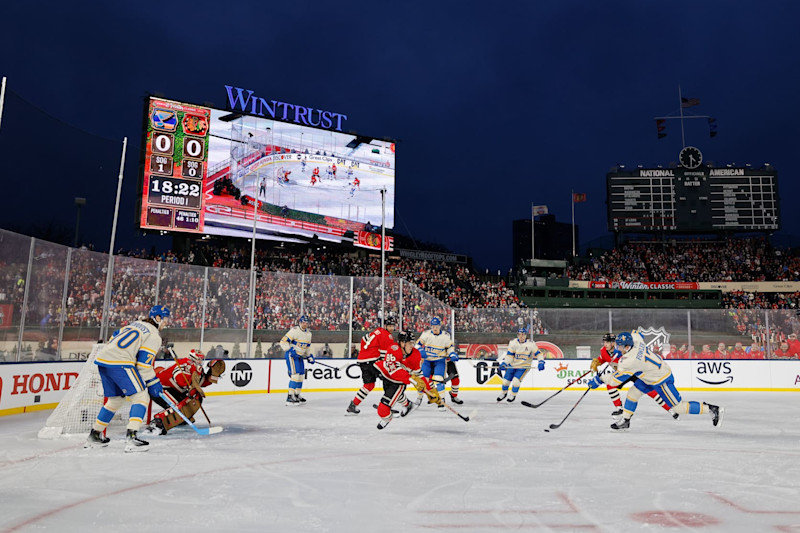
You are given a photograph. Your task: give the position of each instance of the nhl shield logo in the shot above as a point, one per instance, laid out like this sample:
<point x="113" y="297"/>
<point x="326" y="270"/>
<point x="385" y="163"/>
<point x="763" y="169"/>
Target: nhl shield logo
<point x="655" y="337"/>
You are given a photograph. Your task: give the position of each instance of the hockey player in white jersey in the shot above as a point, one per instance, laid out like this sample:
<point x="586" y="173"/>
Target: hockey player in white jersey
<point x="654" y="374"/>
<point x="436" y="346"/>
<point x="517" y="363"/>
<point x="126" y="370"/>
<point x="297" y="345"/>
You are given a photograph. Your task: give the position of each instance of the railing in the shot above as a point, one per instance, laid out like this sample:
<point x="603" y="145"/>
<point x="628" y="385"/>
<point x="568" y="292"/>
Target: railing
<point x="51" y="308"/>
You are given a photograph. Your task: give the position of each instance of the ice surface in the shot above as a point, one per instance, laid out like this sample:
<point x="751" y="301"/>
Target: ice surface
<point x="310" y="468"/>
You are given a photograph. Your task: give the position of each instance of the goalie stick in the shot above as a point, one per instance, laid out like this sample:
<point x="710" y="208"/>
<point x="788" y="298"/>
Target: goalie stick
<point x="199" y="431"/>
<point x="535" y="405"/>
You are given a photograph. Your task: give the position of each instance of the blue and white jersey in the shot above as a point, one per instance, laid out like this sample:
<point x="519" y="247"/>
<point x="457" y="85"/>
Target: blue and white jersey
<point x="641" y="362"/>
<point x="435" y="346"/>
<point x="134" y="346"/>
<point x="521" y="354"/>
<point x="298" y="339"/>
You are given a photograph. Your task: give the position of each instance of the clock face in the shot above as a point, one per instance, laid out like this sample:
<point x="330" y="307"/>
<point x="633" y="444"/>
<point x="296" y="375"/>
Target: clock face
<point x="690" y="157"/>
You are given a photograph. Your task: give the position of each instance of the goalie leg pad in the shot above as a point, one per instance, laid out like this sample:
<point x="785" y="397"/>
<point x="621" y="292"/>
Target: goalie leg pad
<point x="169" y="418"/>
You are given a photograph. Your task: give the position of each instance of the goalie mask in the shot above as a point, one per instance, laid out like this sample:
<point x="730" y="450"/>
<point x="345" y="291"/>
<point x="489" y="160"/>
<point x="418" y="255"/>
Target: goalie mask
<point x="196" y="356"/>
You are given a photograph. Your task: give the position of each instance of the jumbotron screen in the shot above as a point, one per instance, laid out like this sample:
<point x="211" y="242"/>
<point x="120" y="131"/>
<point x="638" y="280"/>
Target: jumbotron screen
<point x="212" y="171"/>
<point x="705" y="200"/>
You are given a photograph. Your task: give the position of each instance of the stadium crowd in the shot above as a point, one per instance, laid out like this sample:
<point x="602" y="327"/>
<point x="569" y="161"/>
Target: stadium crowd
<point x="433" y="287"/>
<point x="730" y="260"/>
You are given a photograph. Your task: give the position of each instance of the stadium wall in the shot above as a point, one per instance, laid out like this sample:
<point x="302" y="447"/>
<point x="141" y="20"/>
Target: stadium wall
<point x="28" y="387"/>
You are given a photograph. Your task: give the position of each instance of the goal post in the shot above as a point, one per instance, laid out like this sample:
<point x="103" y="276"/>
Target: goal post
<point x="79" y="408"/>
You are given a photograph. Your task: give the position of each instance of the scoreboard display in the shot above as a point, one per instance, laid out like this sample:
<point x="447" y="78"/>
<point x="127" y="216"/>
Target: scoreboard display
<point x="176" y="158"/>
<point x="702" y="200"/>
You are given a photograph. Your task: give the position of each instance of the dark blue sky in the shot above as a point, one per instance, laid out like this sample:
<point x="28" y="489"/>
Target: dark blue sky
<point x="496" y="106"/>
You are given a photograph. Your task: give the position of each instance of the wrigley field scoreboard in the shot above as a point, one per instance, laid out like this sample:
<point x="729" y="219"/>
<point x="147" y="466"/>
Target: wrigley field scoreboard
<point x="701" y="200"/>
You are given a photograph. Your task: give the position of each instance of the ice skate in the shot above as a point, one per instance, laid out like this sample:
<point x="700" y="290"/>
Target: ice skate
<point x="291" y="400"/>
<point x="134" y="444"/>
<point x="352" y="409"/>
<point x="502" y="397"/>
<point x="384" y="422"/>
<point x="456" y="400"/>
<point x="674" y="414"/>
<point x="96" y="440"/>
<point x="511" y="398"/>
<point x="300" y="399"/>
<point x="716" y="413"/>
<point x="406" y="408"/>
<point x="617" y="413"/>
<point x="621" y="425"/>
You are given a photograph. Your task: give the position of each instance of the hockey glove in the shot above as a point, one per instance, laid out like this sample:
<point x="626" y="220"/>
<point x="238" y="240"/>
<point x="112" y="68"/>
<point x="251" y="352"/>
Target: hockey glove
<point x="503" y="367"/>
<point x="541" y="365"/>
<point x="154" y="388"/>
<point x="423" y="354"/>
<point x="454" y="357"/>
<point x="595" y="363"/>
<point x="310" y="359"/>
<point x="419" y="383"/>
<point x="594" y="382"/>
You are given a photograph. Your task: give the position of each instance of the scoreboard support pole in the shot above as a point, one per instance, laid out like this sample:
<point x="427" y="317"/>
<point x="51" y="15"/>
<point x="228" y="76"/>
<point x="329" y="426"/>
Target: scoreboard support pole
<point x="2" y="97"/>
<point x="110" y="270"/>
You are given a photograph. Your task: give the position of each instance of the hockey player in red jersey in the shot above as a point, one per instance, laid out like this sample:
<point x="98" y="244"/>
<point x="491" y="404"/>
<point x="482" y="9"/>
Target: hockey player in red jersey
<point x="610" y="355"/>
<point x="183" y="382"/>
<point x="400" y="365"/>
<point x="374" y="346"/>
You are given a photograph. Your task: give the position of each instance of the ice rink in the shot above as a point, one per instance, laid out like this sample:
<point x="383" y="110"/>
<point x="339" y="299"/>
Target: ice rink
<point x="310" y="468"/>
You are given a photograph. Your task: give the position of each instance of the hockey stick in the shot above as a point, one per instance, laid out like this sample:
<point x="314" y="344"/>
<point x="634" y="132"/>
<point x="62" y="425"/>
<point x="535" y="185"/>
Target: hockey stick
<point x="556" y="426"/>
<point x="462" y="417"/>
<point x="199" y="431"/>
<point x="535" y="405"/>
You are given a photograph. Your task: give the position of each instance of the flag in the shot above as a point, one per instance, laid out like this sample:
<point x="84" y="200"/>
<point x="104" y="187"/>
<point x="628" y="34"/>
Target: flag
<point x="689" y="102"/>
<point x="578" y="197"/>
<point x="366" y="239"/>
<point x="712" y="127"/>
<point x="540" y="210"/>
<point x="660" y="127"/>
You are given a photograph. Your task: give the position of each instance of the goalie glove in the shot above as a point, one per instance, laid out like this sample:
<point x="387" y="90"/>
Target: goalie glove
<point x="595" y="363"/>
<point x="215" y="369"/>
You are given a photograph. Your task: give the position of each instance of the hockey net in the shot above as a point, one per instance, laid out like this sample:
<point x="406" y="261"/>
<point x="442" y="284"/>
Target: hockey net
<point x="81" y="404"/>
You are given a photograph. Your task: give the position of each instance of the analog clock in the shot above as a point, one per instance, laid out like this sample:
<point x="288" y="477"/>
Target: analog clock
<point x="690" y="157"/>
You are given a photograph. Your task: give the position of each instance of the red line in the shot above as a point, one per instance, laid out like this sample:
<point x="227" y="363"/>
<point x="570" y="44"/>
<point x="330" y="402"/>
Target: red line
<point x="38" y="455"/>
<point x="744" y="510"/>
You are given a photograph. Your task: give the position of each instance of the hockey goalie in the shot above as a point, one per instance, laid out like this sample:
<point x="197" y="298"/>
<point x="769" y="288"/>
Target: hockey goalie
<point x="184" y="382"/>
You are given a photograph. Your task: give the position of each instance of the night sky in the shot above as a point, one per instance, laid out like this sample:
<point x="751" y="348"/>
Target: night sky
<point x="495" y="106"/>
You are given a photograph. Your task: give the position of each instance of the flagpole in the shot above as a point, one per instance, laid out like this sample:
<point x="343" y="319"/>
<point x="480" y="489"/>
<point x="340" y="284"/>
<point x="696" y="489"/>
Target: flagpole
<point x="680" y="106"/>
<point x="572" y="197"/>
<point x="533" y="250"/>
<point x="2" y="97"/>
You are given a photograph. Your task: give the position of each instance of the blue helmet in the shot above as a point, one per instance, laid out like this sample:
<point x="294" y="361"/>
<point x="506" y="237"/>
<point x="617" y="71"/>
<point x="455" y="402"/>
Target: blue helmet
<point x="624" y="339"/>
<point x="436" y="321"/>
<point x="522" y="329"/>
<point x="303" y="318"/>
<point x="159" y="311"/>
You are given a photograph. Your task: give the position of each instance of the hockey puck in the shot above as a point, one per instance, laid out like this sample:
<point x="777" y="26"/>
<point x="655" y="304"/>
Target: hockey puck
<point x="547" y="430"/>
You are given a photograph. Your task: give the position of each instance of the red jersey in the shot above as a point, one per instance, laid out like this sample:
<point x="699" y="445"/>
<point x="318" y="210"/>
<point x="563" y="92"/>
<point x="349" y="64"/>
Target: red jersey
<point x="179" y="375"/>
<point x="375" y="345"/>
<point x="611" y="358"/>
<point x="399" y="373"/>
<point x="316" y="171"/>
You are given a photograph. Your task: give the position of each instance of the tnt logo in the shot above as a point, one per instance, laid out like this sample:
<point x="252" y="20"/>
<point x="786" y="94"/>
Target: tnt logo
<point x="241" y="374"/>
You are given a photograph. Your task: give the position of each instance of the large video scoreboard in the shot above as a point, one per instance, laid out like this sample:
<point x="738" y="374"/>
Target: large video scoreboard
<point x="703" y="200"/>
<point x="222" y="172"/>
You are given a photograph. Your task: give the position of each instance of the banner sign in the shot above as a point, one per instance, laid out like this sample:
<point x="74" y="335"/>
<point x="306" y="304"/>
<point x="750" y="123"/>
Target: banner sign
<point x="645" y="285"/>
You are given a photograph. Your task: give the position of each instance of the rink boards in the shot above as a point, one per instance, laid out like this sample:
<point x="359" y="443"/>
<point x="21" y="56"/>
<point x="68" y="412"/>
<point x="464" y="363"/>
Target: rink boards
<point x="36" y="386"/>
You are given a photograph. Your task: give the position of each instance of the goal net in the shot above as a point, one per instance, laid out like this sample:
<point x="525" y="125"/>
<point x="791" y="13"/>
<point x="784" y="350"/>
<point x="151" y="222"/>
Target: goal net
<point x="77" y="411"/>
